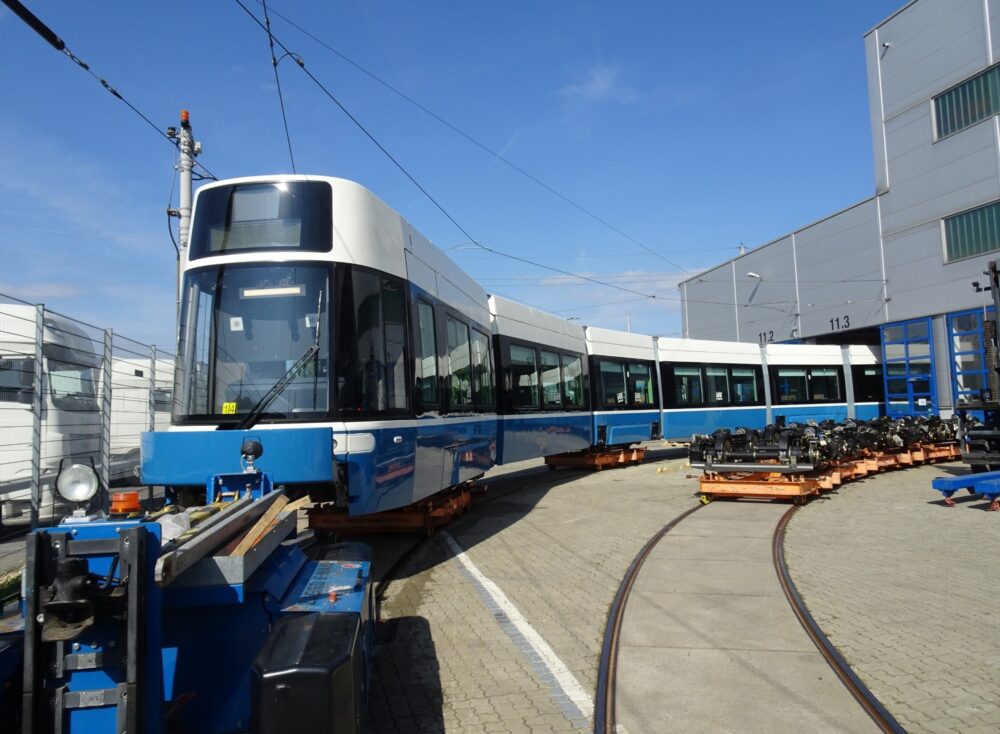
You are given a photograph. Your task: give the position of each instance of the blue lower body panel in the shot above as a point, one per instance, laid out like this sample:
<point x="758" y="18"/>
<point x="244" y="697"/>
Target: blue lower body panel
<point x="869" y="411"/>
<point x="686" y="423"/>
<point x="626" y="427"/>
<point x="532" y="436"/>
<point x="189" y="458"/>
<point x="803" y="413"/>
<point x="403" y="465"/>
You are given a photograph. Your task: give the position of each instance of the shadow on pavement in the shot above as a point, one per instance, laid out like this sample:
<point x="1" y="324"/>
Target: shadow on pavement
<point x="406" y="694"/>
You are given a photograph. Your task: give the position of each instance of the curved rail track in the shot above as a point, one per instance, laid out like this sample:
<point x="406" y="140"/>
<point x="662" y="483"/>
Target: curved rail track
<point x="882" y="718"/>
<point x="605" y="718"/>
<point x="604" y="702"/>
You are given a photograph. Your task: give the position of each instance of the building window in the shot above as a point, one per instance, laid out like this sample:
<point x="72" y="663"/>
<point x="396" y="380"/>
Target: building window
<point x="968" y="103"/>
<point x="968" y="355"/>
<point x="973" y="232"/>
<point x="908" y="357"/>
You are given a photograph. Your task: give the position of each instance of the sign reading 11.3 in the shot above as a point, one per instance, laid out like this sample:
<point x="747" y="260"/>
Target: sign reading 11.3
<point x="840" y="323"/>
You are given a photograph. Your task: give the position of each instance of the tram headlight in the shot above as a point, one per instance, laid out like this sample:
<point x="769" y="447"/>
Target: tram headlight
<point x="77" y="483"/>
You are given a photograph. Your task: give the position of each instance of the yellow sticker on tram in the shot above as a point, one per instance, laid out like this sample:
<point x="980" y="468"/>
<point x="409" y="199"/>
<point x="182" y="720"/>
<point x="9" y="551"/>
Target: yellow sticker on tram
<point x="229" y="408"/>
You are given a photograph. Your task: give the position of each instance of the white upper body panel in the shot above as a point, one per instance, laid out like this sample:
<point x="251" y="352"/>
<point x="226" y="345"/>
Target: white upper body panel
<point x="369" y="233"/>
<point x="804" y="354"/>
<point x="611" y="343"/>
<point x="710" y="352"/>
<point x="518" y="321"/>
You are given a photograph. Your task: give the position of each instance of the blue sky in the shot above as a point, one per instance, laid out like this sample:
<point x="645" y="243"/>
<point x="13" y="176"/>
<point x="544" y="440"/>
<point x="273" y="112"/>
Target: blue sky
<point x="689" y="126"/>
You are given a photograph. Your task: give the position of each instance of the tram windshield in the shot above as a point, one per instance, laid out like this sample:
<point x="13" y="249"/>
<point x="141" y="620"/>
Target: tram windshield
<point x="242" y="327"/>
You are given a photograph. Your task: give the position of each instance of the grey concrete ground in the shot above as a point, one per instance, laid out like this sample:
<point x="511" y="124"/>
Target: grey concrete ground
<point x="907" y="590"/>
<point x="710" y="644"/>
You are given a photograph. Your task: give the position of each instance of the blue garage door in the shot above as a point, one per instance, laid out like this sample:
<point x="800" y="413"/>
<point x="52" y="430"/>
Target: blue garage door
<point x="908" y="354"/>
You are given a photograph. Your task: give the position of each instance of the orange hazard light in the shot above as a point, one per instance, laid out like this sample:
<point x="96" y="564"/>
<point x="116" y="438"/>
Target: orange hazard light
<point x="123" y="503"/>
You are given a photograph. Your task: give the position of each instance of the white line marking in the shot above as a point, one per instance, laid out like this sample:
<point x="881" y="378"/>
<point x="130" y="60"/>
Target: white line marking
<point x="560" y="673"/>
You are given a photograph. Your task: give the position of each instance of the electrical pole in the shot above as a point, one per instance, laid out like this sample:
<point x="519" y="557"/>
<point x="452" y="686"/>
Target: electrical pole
<point x="189" y="150"/>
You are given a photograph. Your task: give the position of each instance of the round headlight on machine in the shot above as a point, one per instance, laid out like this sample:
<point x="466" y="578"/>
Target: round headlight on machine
<point x="77" y="483"/>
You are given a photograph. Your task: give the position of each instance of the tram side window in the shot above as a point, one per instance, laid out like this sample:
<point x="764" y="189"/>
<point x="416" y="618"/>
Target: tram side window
<point x="687" y="386"/>
<point x="868" y="386"/>
<point x="373" y="337"/>
<point x="524" y="376"/>
<point x="613" y="386"/>
<point x="426" y="367"/>
<point x="459" y="365"/>
<point x="551" y="397"/>
<point x="744" y="385"/>
<point x="792" y="385"/>
<point x="716" y="385"/>
<point x="640" y="384"/>
<point x="394" y="320"/>
<point x="824" y="383"/>
<point x="482" y="371"/>
<point x="572" y="381"/>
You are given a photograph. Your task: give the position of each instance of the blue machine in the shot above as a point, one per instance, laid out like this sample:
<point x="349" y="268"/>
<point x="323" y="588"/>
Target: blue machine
<point x="236" y="625"/>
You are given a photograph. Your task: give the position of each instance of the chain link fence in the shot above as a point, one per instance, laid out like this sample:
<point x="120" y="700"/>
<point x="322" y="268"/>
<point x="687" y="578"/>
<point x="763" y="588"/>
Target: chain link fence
<point x="70" y="392"/>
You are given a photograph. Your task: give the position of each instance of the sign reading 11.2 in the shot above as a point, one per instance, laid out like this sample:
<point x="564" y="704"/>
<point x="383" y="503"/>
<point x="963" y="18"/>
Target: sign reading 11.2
<point x="840" y="323"/>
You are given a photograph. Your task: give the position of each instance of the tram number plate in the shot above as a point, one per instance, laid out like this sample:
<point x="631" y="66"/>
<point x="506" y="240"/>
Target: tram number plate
<point x="229" y="408"/>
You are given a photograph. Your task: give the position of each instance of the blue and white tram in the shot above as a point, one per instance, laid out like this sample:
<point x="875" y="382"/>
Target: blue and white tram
<point x="710" y="385"/>
<point x="627" y="406"/>
<point x="373" y="371"/>
<point x="398" y="378"/>
<point x="544" y="406"/>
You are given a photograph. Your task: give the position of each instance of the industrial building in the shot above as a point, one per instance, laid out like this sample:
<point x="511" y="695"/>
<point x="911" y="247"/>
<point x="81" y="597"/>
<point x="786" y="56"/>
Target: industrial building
<point x="903" y="268"/>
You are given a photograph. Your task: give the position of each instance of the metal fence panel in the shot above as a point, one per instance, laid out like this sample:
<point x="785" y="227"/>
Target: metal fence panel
<point x="70" y="392"/>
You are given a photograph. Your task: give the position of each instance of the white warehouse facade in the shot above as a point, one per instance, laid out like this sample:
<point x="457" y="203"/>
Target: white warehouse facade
<point x="904" y="268"/>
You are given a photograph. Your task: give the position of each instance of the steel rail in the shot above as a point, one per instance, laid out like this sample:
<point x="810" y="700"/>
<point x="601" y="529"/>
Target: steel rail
<point x="882" y="718"/>
<point x="607" y="671"/>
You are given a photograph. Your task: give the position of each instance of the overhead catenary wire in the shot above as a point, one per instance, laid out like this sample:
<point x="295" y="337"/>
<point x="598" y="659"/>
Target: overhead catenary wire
<point x="301" y="63"/>
<point x="50" y="37"/>
<point x="277" y="82"/>
<point x="482" y="146"/>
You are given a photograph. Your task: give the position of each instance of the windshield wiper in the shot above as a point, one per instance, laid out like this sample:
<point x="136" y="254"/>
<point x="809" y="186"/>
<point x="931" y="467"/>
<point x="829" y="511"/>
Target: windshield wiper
<point x="251" y="418"/>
